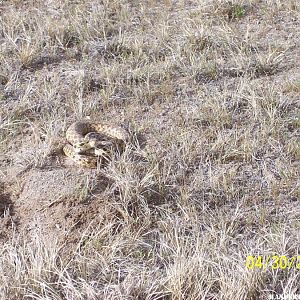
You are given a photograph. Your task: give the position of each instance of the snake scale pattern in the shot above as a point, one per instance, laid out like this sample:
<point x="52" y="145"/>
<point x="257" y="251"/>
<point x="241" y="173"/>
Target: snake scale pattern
<point x="92" y="142"/>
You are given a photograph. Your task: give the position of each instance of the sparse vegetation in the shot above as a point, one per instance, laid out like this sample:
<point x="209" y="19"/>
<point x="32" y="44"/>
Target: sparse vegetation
<point x="209" y="91"/>
<point x="235" y="11"/>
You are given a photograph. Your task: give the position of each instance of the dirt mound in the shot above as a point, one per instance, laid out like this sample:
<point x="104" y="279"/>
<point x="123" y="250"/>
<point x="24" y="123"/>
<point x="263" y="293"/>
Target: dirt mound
<point x="55" y="202"/>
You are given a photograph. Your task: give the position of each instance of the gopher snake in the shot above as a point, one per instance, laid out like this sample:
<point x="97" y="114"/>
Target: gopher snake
<point x="90" y="141"/>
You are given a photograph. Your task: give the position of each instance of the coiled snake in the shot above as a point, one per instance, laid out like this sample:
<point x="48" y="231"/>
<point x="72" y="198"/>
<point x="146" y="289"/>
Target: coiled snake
<point x="90" y="142"/>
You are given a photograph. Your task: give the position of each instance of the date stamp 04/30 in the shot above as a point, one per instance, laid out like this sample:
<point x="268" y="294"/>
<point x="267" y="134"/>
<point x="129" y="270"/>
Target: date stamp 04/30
<point x="272" y="261"/>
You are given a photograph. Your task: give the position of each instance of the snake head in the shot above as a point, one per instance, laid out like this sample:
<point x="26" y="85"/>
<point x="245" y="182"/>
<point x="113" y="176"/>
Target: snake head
<point x="97" y="140"/>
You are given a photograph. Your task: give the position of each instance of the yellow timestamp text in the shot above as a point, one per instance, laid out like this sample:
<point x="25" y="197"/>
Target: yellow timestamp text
<point x="272" y="261"/>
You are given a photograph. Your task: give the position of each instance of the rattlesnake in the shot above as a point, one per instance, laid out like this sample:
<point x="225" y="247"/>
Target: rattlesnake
<point x="90" y="142"/>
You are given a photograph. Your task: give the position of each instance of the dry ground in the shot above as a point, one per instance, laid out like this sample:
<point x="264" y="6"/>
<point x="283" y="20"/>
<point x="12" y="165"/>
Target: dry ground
<point x="209" y="91"/>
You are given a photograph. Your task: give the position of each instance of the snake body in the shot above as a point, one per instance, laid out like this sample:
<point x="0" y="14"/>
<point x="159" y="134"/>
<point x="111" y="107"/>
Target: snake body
<point x="90" y="142"/>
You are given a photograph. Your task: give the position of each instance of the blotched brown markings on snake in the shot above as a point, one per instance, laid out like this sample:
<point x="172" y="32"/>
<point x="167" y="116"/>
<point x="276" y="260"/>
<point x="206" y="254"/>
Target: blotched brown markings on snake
<point x="90" y="142"/>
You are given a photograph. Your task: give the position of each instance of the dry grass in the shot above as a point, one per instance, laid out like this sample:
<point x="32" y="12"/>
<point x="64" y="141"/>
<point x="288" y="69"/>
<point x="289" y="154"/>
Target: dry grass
<point x="210" y="93"/>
